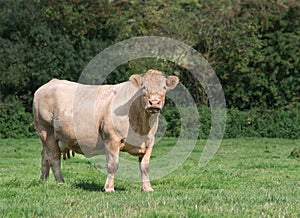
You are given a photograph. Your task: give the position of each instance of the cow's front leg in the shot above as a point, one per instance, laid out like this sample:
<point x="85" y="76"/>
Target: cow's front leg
<point x="112" y="159"/>
<point x="144" y="167"/>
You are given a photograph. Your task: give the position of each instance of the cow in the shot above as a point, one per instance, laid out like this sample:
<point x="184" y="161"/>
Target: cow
<point x="100" y="119"/>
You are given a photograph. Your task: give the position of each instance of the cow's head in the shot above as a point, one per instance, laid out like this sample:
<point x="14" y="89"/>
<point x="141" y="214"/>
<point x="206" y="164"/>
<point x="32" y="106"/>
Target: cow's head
<point x="154" y="86"/>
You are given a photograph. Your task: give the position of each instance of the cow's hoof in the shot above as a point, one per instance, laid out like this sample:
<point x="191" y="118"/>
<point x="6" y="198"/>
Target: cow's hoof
<point x="109" y="190"/>
<point x="44" y="177"/>
<point x="60" y="181"/>
<point x="147" y="189"/>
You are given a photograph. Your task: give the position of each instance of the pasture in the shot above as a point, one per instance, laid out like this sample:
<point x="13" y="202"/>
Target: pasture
<point x="249" y="177"/>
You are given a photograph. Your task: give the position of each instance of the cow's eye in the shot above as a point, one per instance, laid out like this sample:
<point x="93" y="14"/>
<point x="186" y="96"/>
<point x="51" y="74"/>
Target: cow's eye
<point x="165" y="87"/>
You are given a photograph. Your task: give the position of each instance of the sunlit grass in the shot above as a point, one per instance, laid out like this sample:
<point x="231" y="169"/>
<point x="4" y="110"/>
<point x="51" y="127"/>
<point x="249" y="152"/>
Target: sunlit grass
<point x="248" y="177"/>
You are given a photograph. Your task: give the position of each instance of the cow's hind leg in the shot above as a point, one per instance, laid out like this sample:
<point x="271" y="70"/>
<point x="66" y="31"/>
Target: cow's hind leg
<point x="50" y="156"/>
<point x="54" y="155"/>
<point x="45" y="164"/>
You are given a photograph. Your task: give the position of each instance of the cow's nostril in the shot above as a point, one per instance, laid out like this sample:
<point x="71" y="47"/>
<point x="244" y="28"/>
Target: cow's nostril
<point x="154" y="102"/>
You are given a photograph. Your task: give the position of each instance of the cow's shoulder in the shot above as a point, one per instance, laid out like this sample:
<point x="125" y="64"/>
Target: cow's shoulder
<point x="124" y="91"/>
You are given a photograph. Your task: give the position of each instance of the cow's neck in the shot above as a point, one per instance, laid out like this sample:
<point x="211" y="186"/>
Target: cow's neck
<point x="141" y="121"/>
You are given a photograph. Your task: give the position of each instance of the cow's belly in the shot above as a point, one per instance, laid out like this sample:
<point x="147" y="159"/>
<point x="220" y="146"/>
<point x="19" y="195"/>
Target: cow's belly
<point x="87" y="147"/>
<point x="81" y="140"/>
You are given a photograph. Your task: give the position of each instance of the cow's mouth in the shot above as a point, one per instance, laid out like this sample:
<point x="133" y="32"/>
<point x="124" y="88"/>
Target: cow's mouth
<point x="153" y="110"/>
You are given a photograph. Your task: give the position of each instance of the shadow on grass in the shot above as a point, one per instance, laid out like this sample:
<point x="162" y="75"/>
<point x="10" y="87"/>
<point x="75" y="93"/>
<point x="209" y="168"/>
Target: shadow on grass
<point x="94" y="187"/>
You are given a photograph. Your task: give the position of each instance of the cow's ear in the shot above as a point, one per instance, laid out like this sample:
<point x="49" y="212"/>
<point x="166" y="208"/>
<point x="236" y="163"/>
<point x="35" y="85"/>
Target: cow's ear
<point x="172" y="82"/>
<point x="136" y="80"/>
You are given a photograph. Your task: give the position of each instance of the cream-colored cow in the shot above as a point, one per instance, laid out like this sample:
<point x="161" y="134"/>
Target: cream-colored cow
<point x="90" y="120"/>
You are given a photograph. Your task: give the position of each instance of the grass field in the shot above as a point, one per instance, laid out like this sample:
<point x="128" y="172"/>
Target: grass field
<point x="246" y="178"/>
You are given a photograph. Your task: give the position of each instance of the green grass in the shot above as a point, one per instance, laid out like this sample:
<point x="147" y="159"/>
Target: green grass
<point x="248" y="177"/>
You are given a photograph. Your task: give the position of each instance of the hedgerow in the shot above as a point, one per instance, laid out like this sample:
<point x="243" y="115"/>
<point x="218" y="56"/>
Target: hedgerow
<point x="252" y="45"/>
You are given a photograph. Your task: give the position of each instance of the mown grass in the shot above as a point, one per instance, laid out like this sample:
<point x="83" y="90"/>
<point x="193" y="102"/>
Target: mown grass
<point x="248" y="177"/>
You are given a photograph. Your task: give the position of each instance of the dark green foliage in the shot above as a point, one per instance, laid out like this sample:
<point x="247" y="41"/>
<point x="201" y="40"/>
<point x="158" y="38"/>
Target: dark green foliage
<point x="279" y="123"/>
<point x="172" y="117"/>
<point x="252" y="45"/>
<point x="33" y="51"/>
<point x="14" y="121"/>
<point x="258" y="59"/>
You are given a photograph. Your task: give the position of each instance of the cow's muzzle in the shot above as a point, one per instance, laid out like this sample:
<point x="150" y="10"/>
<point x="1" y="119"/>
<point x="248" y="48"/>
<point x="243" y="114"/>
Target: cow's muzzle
<point x="154" y="106"/>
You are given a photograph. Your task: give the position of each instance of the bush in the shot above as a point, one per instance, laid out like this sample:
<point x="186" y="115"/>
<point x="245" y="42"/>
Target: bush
<point x="281" y="123"/>
<point x="14" y="121"/>
<point x="252" y="45"/>
<point x="172" y="117"/>
<point x="174" y="121"/>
